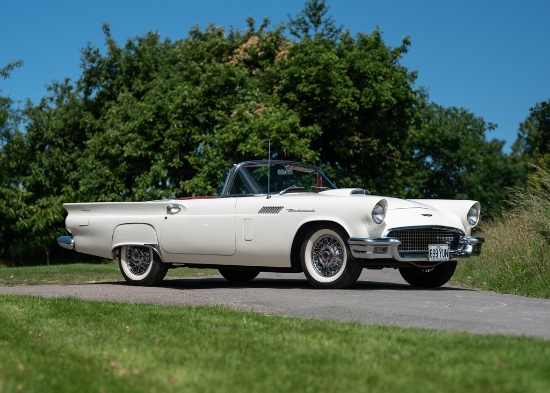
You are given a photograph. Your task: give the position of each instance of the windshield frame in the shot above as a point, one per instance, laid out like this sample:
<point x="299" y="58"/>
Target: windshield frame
<point x="248" y="173"/>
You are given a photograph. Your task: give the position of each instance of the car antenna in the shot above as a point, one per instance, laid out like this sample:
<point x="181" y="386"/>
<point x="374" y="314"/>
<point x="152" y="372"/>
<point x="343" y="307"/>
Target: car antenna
<point x="268" y="166"/>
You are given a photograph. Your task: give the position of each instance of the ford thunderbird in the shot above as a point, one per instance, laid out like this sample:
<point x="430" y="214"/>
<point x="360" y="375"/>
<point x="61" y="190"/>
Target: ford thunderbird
<point x="279" y="216"/>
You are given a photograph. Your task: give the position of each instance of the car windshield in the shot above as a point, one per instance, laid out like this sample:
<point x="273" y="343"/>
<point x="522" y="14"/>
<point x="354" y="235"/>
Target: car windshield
<point x="278" y="178"/>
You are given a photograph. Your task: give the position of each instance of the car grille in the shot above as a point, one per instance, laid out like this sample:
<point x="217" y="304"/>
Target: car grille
<point x="417" y="239"/>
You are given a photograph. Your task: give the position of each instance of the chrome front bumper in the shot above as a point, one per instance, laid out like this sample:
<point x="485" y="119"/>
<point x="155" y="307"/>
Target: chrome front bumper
<point x="66" y="242"/>
<point x="387" y="248"/>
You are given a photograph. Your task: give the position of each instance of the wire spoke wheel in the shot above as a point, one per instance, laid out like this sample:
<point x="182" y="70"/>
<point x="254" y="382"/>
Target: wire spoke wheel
<point x="140" y="265"/>
<point x="326" y="259"/>
<point x="138" y="260"/>
<point x="328" y="256"/>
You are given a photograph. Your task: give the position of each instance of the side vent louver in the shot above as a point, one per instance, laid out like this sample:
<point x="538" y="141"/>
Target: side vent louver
<point x="270" y="210"/>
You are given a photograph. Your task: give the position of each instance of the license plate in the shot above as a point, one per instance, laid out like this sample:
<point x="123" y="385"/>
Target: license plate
<point x="438" y="252"/>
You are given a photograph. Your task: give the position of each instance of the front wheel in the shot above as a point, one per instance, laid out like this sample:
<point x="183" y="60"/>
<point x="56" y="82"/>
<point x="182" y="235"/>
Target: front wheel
<point x="428" y="278"/>
<point x="326" y="259"/>
<point x="141" y="266"/>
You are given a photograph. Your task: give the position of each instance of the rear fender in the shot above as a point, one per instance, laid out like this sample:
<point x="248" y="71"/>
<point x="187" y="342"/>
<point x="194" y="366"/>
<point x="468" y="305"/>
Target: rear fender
<point x="135" y="235"/>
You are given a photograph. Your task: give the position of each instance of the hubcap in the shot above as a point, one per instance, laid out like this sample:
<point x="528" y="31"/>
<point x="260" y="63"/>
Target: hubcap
<point x="138" y="260"/>
<point x="327" y="256"/>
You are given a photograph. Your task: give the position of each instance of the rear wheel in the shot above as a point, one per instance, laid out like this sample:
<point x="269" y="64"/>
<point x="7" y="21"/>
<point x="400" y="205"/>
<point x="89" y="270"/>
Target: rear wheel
<point x="428" y="278"/>
<point x="239" y="276"/>
<point x="141" y="266"/>
<point x="326" y="259"/>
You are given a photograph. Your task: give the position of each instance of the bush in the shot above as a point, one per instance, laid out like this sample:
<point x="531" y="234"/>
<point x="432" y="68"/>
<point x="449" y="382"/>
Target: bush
<point x="516" y="255"/>
<point x="536" y="201"/>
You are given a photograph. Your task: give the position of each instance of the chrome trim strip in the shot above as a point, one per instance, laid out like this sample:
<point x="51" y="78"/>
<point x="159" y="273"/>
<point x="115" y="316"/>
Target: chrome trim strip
<point x="364" y="247"/>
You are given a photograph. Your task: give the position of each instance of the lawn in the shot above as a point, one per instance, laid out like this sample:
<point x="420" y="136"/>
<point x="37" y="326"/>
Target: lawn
<point x="68" y="345"/>
<point x="71" y="345"/>
<point x="80" y="273"/>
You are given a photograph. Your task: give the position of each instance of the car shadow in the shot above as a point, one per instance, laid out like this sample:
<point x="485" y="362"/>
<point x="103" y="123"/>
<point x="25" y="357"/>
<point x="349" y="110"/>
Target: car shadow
<point x="285" y="283"/>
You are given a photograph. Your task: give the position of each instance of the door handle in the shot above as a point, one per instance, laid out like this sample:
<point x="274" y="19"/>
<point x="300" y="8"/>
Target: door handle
<point x="173" y="209"/>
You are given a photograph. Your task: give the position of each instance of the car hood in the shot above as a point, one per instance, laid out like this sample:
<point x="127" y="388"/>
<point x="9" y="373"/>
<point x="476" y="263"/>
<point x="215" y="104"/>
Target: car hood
<point x="404" y="213"/>
<point x="393" y="203"/>
<point x="419" y="212"/>
<point x="396" y="203"/>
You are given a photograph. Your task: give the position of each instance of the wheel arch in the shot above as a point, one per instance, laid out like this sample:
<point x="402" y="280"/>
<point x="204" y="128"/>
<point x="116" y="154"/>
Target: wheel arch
<point x="142" y="235"/>
<point x="295" y="251"/>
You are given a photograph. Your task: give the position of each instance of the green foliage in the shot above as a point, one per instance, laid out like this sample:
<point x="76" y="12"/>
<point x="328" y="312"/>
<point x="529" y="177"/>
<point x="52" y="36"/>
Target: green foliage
<point x="6" y="70"/>
<point x="161" y="119"/>
<point x="359" y="96"/>
<point x="533" y="143"/>
<point x="534" y="133"/>
<point x="514" y="259"/>
<point x="452" y="159"/>
<point x="13" y="196"/>
<point x="516" y="254"/>
<point x="536" y="201"/>
<point x="313" y="22"/>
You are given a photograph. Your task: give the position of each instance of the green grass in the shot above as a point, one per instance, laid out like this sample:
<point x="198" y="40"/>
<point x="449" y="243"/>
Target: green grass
<point x="79" y="273"/>
<point x="514" y="260"/>
<point x="71" y="345"/>
<point x="516" y="254"/>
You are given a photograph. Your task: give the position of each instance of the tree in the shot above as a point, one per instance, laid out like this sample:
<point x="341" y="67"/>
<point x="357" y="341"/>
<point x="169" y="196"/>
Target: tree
<point x="247" y="110"/>
<point x="54" y="140"/>
<point x="451" y="158"/>
<point x="12" y="195"/>
<point x="533" y="142"/>
<point x="313" y="22"/>
<point x="6" y="71"/>
<point x="360" y="97"/>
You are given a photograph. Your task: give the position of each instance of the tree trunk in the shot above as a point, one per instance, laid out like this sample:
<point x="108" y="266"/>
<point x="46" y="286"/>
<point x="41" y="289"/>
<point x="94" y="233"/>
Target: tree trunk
<point x="47" y="255"/>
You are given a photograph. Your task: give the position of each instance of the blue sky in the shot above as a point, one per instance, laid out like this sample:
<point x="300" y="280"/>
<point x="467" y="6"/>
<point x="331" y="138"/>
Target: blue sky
<point x="490" y="57"/>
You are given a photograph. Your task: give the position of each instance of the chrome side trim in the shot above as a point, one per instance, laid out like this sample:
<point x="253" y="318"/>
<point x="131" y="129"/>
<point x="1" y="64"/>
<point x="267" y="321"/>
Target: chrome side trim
<point x="66" y="242"/>
<point x="364" y="248"/>
<point x="471" y="245"/>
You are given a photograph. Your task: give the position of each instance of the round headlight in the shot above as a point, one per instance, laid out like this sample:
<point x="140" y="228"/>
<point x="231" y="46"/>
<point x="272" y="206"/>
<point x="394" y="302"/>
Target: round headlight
<point x="473" y="216"/>
<point x="378" y="213"/>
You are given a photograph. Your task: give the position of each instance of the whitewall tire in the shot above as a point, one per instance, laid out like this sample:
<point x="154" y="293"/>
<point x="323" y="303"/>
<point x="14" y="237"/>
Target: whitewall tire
<point x="326" y="259"/>
<point x="141" y="266"/>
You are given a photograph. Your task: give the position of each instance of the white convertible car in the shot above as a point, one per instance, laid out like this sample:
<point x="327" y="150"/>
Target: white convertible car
<point x="279" y="216"/>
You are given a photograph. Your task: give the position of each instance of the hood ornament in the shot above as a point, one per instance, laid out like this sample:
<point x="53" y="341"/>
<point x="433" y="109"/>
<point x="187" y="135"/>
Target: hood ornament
<point x="426" y="214"/>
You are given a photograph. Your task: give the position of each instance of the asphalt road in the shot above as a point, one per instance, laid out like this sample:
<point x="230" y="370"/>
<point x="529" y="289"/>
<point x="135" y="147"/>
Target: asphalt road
<point x="379" y="297"/>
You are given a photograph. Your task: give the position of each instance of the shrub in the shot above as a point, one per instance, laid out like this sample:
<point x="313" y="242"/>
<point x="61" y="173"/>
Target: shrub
<point x="516" y="254"/>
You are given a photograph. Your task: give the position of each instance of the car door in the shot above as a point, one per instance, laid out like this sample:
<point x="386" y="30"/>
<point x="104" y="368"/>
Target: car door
<point x="199" y="226"/>
<point x="265" y="229"/>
